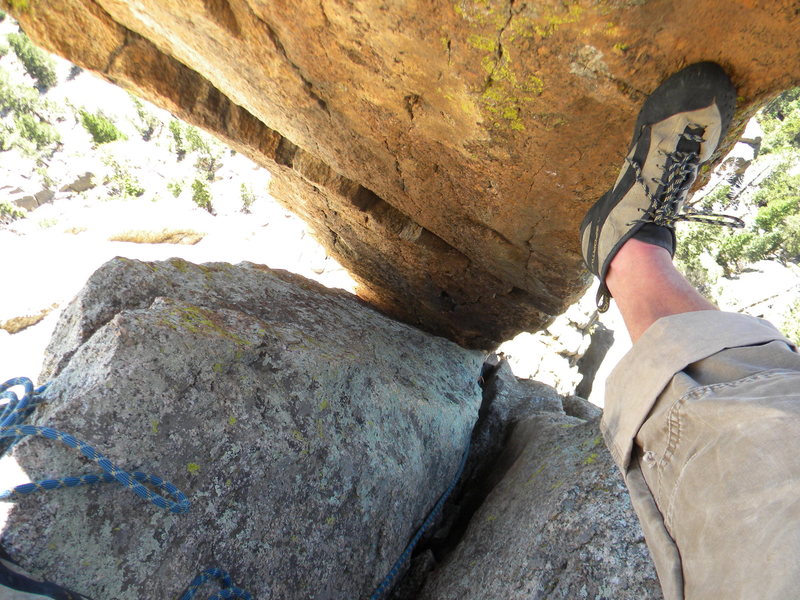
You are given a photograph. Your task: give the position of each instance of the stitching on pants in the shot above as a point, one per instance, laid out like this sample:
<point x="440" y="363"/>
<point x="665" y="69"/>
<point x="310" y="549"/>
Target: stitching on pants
<point x="766" y="374"/>
<point x="675" y="428"/>
<point x="674" y="493"/>
<point x="673" y="435"/>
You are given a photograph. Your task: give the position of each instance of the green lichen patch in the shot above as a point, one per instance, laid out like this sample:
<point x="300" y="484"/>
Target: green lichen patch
<point x="18" y="5"/>
<point x="505" y="93"/>
<point x="180" y="264"/>
<point x="544" y="25"/>
<point x="592" y="443"/>
<point x="506" y="89"/>
<point x="482" y="42"/>
<point x="534" y="475"/>
<point x="553" y="21"/>
<point x="482" y="12"/>
<point x="591" y="459"/>
<point x="203" y="322"/>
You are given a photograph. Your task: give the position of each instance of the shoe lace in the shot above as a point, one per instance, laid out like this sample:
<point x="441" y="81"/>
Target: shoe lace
<point x="666" y="208"/>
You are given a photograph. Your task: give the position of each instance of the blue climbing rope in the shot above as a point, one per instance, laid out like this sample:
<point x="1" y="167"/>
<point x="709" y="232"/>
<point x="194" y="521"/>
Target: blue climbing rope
<point x="228" y="589"/>
<point x="17" y="411"/>
<point x="12" y="429"/>
<point x="437" y="508"/>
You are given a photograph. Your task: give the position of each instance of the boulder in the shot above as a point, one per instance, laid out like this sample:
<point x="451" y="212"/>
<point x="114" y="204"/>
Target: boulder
<point x="83" y="183"/>
<point x="311" y="434"/>
<point x="542" y="511"/>
<point x="601" y="341"/>
<point x="558" y="524"/>
<point x="444" y="152"/>
<point x="32" y="201"/>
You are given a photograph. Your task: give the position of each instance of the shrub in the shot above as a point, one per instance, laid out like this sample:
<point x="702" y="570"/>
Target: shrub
<point x="74" y="71"/>
<point x="196" y="141"/>
<point x="3" y="49"/>
<point x="47" y="223"/>
<point x="780" y="120"/>
<point x="693" y="242"/>
<point x="177" y="142"/>
<point x="2" y="15"/>
<point x="791" y="322"/>
<point x="123" y="183"/>
<point x="248" y="197"/>
<point x="209" y="152"/>
<point x="9" y="212"/>
<point x="730" y="254"/>
<point x="774" y="233"/>
<point x="47" y="179"/>
<point x="175" y="187"/>
<point x="146" y="123"/>
<point x="100" y="127"/>
<point x="201" y="196"/>
<point x="37" y="132"/>
<point x="37" y="63"/>
<point x="16" y="98"/>
<point x="7" y="137"/>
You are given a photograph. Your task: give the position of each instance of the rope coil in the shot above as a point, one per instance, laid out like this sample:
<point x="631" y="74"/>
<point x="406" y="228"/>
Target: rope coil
<point x="12" y="430"/>
<point x="17" y="411"/>
<point x="228" y="589"/>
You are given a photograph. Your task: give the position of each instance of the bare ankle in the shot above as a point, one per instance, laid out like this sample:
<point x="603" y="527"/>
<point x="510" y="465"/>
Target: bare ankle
<point x="636" y="258"/>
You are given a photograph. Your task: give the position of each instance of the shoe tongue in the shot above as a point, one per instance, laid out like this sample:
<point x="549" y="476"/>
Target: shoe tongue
<point x="657" y="235"/>
<point x="687" y="145"/>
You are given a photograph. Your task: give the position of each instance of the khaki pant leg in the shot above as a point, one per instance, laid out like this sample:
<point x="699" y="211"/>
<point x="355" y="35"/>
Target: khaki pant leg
<point x="703" y="419"/>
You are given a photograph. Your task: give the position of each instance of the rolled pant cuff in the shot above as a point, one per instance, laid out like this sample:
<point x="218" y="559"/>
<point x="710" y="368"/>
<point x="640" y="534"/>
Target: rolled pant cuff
<point x="666" y="348"/>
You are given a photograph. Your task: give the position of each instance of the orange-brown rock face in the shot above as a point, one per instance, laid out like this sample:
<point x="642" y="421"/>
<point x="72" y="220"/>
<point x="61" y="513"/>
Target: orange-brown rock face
<point x="445" y="152"/>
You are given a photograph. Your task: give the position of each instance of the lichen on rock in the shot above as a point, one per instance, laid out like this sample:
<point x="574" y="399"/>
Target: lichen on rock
<point x="443" y="152"/>
<point x="310" y="433"/>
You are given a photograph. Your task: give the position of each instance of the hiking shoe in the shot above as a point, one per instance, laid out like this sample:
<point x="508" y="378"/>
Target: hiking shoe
<point x="678" y="129"/>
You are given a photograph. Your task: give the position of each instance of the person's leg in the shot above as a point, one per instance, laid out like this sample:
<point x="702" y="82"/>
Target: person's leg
<point x="647" y="286"/>
<point x="702" y="416"/>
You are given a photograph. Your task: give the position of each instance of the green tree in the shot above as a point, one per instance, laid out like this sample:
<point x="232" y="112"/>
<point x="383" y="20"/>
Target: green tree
<point x="201" y="196"/>
<point x="775" y="231"/>
<point x="146" y="123"/>
<point x="37" y="132"/>
<point x="37" y="63"/>
<point x="177" y="144"/>
<point x="780" y="120"/>
<point x="248" y="197"/>
<point x="10" y="212"/>
<point x="16" y="98"/>
<point x="791" y="322"/>
<point x="122" y="182"/>
<point x="100" y="127"/>
<point x="693" y="243"/>
<point x="209" y="151"/>
<point x="175" y="188"/>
